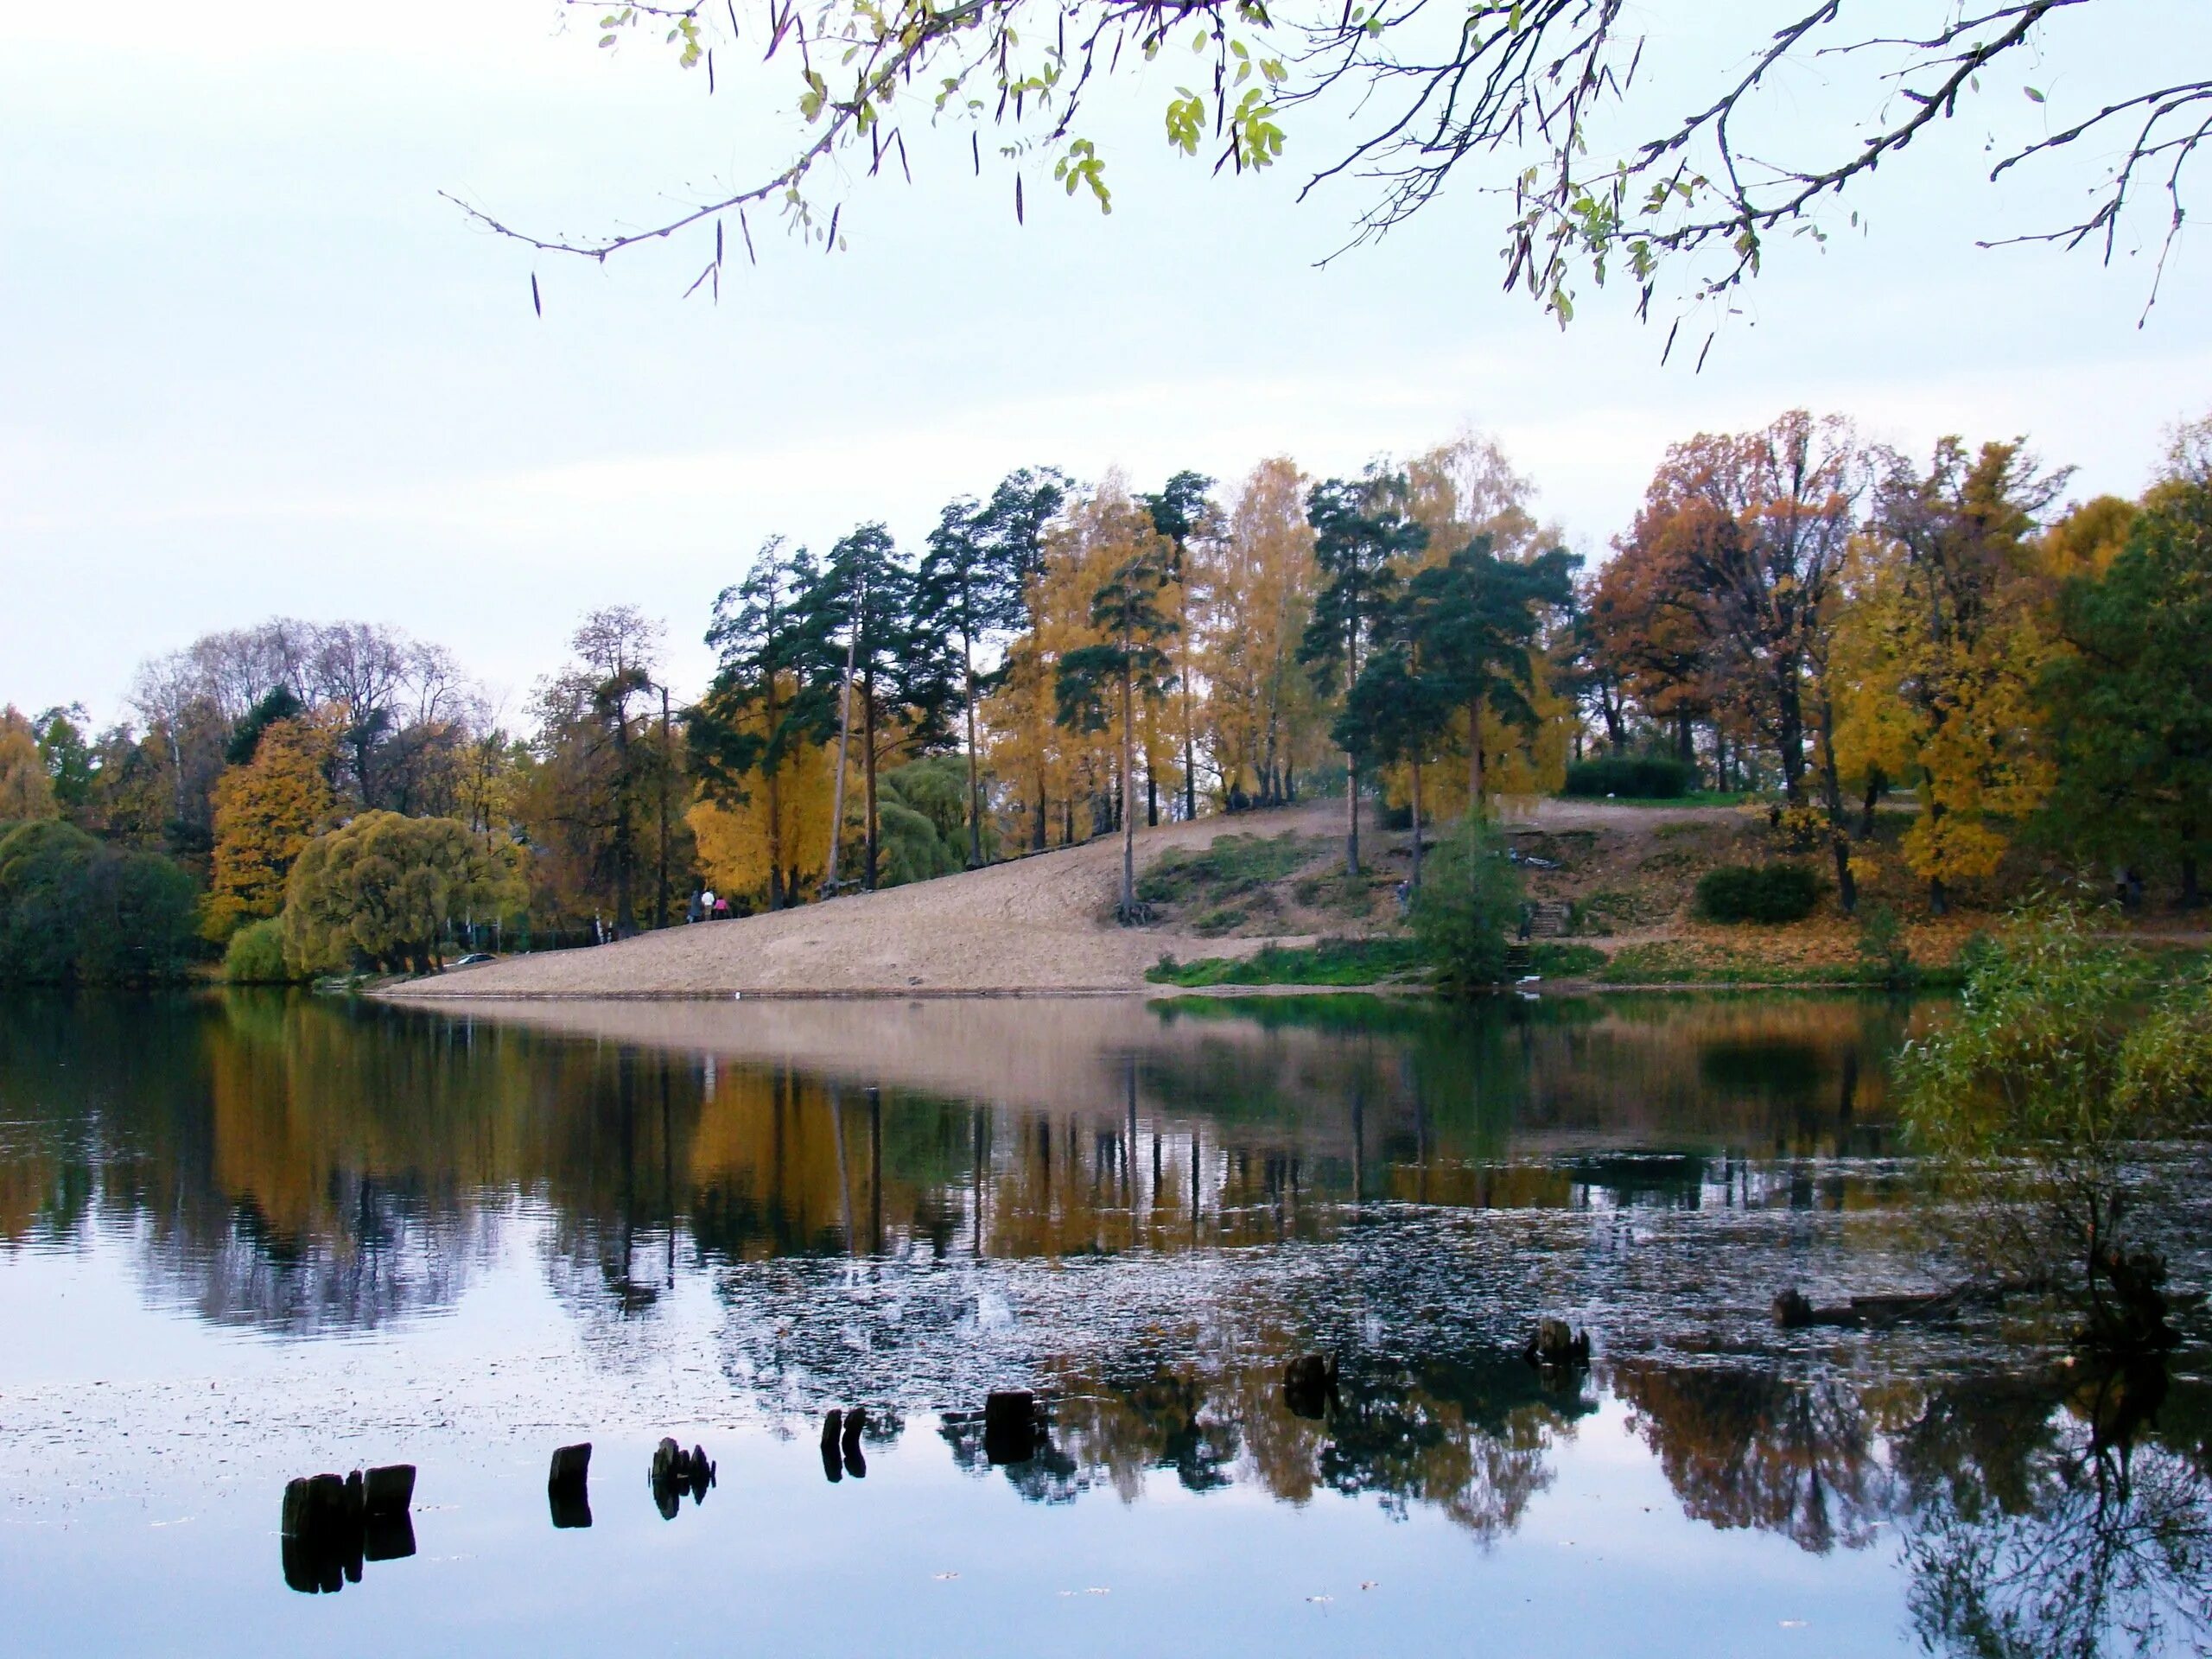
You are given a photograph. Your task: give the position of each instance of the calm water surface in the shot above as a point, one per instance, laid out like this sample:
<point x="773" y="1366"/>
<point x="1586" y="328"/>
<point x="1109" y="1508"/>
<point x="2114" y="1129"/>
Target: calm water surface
<point x="244" y="1239"/>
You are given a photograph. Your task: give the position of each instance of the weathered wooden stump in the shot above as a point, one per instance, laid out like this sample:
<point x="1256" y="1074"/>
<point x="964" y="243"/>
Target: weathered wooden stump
<point x="1010" y="1426"/>
<point x="321" y="1529"/>
<point x="390" y="1490"/>
<point x="568" y="1488"/>
<point x="1557" y="1344"/>
<point x="1309" y="1384"/>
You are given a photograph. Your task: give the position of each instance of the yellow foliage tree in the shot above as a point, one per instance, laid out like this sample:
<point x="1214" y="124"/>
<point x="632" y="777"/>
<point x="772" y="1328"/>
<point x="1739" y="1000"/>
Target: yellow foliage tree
<point x="739" y="840"/>
<point x="25" y="790"/>
<point x="1939" y="651"/>
<point x="265" y="811"/>
<point x="1063" y="781"/>
<point x="1252" y="591"/>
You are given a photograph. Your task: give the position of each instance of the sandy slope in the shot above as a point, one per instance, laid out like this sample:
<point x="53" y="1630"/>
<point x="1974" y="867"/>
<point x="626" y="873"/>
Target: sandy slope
<point x="1041" y="924"/>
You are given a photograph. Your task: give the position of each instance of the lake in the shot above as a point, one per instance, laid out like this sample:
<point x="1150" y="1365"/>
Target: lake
<point x="245" y="1239"/>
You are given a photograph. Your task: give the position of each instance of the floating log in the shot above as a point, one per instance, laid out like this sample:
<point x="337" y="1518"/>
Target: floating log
<point x="1793" y="1311"/>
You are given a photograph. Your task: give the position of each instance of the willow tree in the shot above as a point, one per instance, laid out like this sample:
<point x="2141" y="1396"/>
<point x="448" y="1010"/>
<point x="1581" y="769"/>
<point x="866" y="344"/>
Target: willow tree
<point x="382" y="887"/>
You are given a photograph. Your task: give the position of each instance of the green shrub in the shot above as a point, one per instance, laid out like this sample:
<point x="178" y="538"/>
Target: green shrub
<point x="1641" y="776"/>
<point x="255" y="956"/>
<point x="1469" y="904"/>
<point x="77" y="910"/>
<point x="1758" y="892"/>
<point x="1883" y="949"/>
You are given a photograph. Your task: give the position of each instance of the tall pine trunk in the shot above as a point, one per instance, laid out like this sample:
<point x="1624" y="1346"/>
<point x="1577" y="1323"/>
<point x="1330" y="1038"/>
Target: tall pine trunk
<point x="975" y="777"/>
<point x="868" y="762"/>
<point x="1129" y="798"/>
<point x="626" y="915"/>
<point x="770" y="769"/>
<point x="1414" y="882"/>
<point x="1474" y="757"/>
<point x="1351" y="815"/>
<point x="1846" y="887"/>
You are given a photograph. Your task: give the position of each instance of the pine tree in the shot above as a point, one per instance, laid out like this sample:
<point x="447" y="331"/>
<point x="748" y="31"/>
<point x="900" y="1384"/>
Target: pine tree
<point x="1363" y="533"/>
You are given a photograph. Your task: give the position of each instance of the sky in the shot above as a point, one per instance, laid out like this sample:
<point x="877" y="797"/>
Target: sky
<point x="253" y="364"/>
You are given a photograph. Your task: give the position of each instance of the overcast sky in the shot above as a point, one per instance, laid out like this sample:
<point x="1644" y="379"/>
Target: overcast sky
<point x="253" y="365"/>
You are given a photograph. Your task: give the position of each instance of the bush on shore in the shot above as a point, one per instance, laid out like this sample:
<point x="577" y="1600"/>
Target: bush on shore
<point x="1641" y="777"/>
<point x="255" y="956"/>
<point x="1758" y="892"/>
<point x="74" y="911"/>
<point x="1469" y="903"/>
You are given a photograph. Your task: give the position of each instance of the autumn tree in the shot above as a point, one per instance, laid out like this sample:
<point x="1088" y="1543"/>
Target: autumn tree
<point x="1744" y="534"/>
<point x="266" y="810"/>
<point x="1181" y="511"/>
<point x="587" y="792"/>
<point x="1251" y="590"/>
<point x="1648" y="639"/>
<point x="1946" y="653"/>
<point x="1363" y="532"/>
<point x="768" y="704"/>
<point x="25" y="790"/>
<point x="1127" y="663"/>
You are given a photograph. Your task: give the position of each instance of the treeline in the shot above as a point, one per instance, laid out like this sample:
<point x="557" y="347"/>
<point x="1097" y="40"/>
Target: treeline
<point x="1099" y="656"/>
<point x="1793" y="613"/>
<point x="1795" y="610"/>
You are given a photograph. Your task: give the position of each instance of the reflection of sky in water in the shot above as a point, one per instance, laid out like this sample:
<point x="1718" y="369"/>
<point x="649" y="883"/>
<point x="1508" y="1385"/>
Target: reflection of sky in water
<point x="251" y="1243"/>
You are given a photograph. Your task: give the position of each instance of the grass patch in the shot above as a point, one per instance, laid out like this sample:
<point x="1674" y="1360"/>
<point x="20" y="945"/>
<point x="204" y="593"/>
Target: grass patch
<point x="1332" y="961"/>
<point x="1565" y="960"/>
<point x="1232" y="868"/>
<point x="1222" y="918"/>
<point x="1681" y="963"/>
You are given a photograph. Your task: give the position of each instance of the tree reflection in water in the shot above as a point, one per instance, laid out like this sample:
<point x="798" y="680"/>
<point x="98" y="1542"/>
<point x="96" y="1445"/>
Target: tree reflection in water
<point x="2089" y="1534"/>
<point x="2046" y="1515"/>
<point x="1143" y="1217"/>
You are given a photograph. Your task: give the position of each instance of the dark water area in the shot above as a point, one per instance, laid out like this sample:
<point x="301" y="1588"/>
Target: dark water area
<point x="245" y="1239"/>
